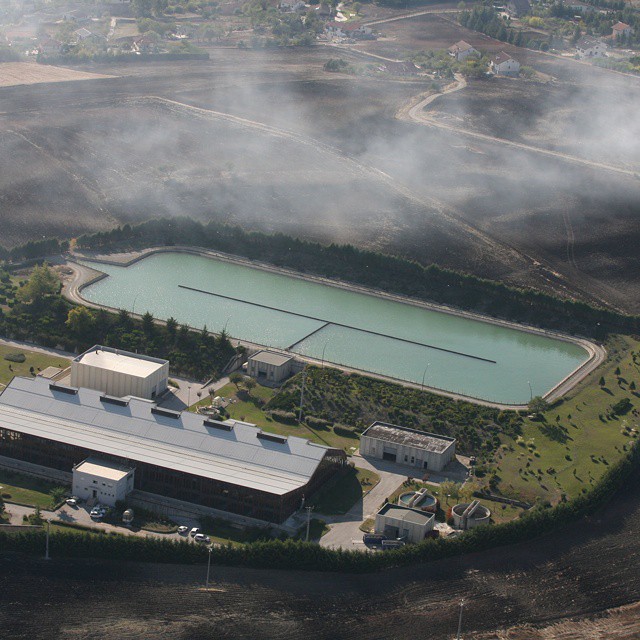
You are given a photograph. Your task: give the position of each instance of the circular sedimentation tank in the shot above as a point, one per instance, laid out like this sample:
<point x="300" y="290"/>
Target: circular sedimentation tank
<point x="467" y="515"/>
<point x="419" y="500"/>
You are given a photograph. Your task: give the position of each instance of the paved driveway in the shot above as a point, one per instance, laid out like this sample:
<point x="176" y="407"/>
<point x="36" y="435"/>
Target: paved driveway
<point x="345" y="530"/>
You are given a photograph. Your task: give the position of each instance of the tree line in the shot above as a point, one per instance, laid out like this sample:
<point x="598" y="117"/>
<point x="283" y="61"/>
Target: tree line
<point x="38" y="313"/>
<point x="295" y="554"/>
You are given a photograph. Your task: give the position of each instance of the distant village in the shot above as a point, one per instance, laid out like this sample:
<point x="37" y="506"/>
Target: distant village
<point x="51" y="32"/>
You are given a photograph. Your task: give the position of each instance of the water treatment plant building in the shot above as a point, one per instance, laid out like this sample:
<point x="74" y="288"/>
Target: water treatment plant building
<point x="120" y="373"/>
<point x="230" y="466"/>
<point x="427" y="451"/>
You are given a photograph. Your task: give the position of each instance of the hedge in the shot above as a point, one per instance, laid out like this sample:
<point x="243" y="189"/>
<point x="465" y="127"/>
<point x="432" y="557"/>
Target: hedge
<point x="292" y="554"/>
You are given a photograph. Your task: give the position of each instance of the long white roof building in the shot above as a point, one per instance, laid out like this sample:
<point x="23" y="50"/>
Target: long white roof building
<point x="231" y="451"/>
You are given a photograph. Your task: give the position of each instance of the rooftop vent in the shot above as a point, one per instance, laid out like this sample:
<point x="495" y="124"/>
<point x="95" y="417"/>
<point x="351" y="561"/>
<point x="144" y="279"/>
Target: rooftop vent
<point x="167" y="413"/>
<point x="272" y="438"/>
<point x="111" y="400"/>
<point x="218" y="425"/>
<point x="62" y="389"/>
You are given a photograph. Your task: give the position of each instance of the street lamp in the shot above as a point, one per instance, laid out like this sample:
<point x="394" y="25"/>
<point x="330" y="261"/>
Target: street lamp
<point x="189" y="396"/>
<point x="46" y="553"/>
<point x="323" y="350"/>
<point x="209" y="565"/>
<point x="423" y="376"/>
<point x="530" y="391"/>
<point x="460" y="619"/>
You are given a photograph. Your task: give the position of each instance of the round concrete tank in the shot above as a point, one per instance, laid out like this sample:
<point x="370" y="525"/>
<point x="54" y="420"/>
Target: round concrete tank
<point x="467" y="515"/>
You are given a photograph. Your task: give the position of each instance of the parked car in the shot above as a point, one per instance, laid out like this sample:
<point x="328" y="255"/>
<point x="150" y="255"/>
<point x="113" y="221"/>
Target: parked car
<point x="72" y="502"/>
<point x="194" y="532"/>
<point x="183" y="530"/>
<point x="200" y="537"/>
<point x="98" y="511"/>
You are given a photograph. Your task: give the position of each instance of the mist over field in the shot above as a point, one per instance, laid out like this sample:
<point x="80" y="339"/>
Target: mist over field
<point x="270" y="141"/>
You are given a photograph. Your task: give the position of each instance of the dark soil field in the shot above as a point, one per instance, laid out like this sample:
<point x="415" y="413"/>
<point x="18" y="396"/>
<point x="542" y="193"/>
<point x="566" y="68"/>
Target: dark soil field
<point x="333" y="163"/>
<point x="578" y="573"/>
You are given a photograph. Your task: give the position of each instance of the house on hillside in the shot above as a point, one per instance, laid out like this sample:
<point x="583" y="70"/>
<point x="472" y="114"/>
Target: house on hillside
<point x="462" y="50"/>
<point x="504" y="65"/>
<point x="147" y="43"/>
<point x="358" y="31"/>
<point x="621" y="31"/>
<point x="518" y="8"/>
<point x="292" y="6"/>
<point x="588" y="47"/>
<point x="334" y="30"/>
<point x="325" y="10"/>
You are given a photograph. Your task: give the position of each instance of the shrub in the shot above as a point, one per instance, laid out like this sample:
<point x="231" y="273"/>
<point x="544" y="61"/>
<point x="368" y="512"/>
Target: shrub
<point x="15" y="357"/>
<point x="286" y="417"/>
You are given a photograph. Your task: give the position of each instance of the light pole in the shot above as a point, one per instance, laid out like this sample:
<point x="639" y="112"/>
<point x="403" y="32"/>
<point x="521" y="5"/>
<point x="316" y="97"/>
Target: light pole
<point x="189" y="396"/>
<point x="46" y="552"/>
<point x="460" y="620"/>
<point x="423" y="376"/>
<point x="323" y="350"/>
<point x="304" y="380"/>
<point x="530" y="391"/>
<point x="209" y="566"/>
<point x="309" y="510"/>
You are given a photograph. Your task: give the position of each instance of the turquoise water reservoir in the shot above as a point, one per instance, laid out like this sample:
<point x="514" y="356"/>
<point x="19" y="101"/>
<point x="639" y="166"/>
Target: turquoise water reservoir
<point x="352" y="329"/>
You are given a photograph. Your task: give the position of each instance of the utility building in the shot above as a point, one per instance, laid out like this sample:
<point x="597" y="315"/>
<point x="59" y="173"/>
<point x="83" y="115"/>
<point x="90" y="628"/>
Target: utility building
<point x="231" y="466"/>
<point x="102" y="481"/>
<point x="120" y="373"/>
<point x="407" y="446"/>
<point x="411" y="525"/>
<point x="269" y="367"/>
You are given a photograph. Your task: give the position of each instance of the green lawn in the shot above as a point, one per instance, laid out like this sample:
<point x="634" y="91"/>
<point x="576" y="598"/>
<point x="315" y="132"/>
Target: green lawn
<point x="579" y="438"/>
<point x="36" y="360"/>
<point x="343" y="491"/>
<point x="247" y="408"/>
<point x="26" y="490"/>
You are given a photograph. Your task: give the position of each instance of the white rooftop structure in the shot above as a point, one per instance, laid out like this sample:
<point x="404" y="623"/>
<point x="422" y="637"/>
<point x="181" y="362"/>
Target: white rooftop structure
<point x="271" y="357"/>
<point x="120" y="373"/>
<point x="103" y="468"/>
<point x="234" y="452"/>
<point x="121" y="361"/>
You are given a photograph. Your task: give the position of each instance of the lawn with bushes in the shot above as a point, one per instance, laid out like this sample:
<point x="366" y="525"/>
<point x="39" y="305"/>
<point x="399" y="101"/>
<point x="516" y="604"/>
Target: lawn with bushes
<point x="567" y="450"/>
<point x="16" y="487"/>
<point x="11" y="364"/>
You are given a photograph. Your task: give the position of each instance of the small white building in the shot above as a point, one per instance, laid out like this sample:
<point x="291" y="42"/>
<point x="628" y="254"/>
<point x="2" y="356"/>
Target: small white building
<point x="102" y="481"/>
<point x="407" y="446"/>
<point x="462" y="50"/>
<point x="269" y="367"/>
<point x="504" y="65"/>
<point x="120" y="373"/>
<point x="404" y="523"/>
<point x="588" y="47"/>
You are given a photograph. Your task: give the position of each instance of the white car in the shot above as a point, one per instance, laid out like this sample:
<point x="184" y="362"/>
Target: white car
<point x="98" y="511"/>
<point x="200" y="537"/>
<point x="72" y="502"/>
<point x="194" y="532"/>
<point x="183" y="530"/>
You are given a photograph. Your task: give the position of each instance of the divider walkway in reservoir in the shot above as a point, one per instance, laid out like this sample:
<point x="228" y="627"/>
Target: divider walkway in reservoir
<point x="336" y="324"/>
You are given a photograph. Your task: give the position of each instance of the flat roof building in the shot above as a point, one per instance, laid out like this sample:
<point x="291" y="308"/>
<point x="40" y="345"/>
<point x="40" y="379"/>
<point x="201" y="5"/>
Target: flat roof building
<point x="232" y="466"/>
<point x="269" y="367"/>
<point x="398" y="522"/>
<point x="102" y="481"/>
<point x="120" y="373"/>
<point x="410" y="447"/>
